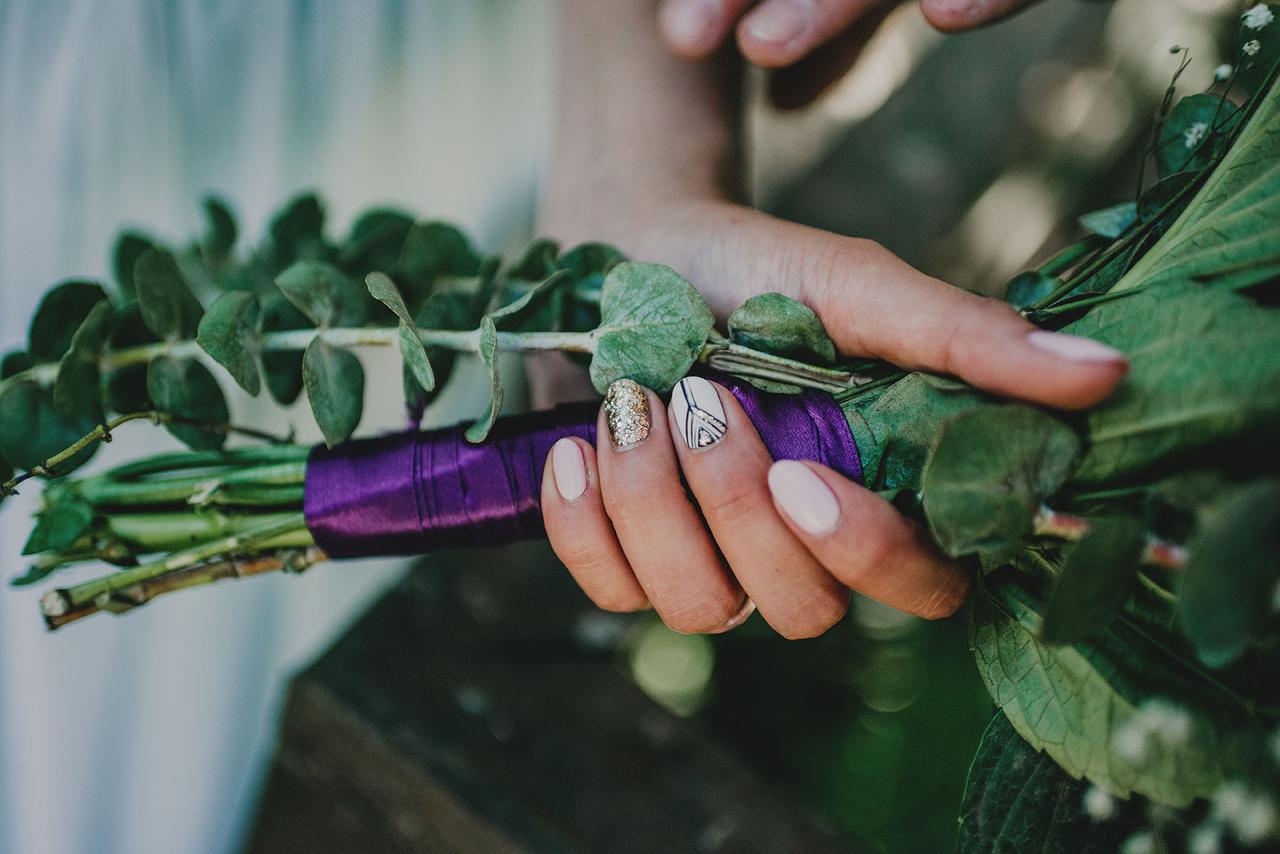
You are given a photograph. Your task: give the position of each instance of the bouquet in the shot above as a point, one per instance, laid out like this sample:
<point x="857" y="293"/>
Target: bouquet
<point x="1126" y="617"/>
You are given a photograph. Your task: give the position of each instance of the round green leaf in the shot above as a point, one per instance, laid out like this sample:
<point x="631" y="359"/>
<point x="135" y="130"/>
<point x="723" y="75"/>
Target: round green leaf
<point x="32" y="430"/>
<point x="323" y="293"/>
<point x="185" y="388"/>
<point x="653" y="324"/>
<point x="335" y="388"/>
<point x="375" y="242"/>
<point x="536" y="261"/>
<point x="58" y="317"/>
<point x="282" y="368"/>
<point x="229" y="334"/>
<point x="778" y="324"/>
<point x="14" y="362"/>
<point x="220" y="231"/>
<point x="77" y="391"/>
<point x="297" y="232"/>
<point x="126" y="388"/>
<point x="1111" y="222"/>
<point x="992" y="467"/>
<point x="1029" y="288"/>
<point x="1096" y="578"/>
<point x="130" y="246"/>
<point x="168" y="308"/>
<point x="1194" y="133"/>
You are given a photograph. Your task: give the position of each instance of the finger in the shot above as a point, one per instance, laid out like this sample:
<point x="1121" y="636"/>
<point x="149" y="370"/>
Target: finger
<point x="800" y="84"/>
<point x="874" y="304"/>
<point x="951" y="15"/>
<point x="865" y="542"/>
<point x="579" y="529"/>
<point x="661" y="533"/>
<point x="694" y="28"/>
<point x="726" y="466"/>
<point x="780" y="32"/>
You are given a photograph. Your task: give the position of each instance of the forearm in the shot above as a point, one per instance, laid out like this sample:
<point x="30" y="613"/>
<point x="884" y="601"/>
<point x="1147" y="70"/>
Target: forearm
<point x="637" y="128"/>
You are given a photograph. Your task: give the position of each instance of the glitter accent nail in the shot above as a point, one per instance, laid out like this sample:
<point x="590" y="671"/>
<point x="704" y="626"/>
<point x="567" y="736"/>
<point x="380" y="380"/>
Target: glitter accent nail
<point x="626" y="411"/>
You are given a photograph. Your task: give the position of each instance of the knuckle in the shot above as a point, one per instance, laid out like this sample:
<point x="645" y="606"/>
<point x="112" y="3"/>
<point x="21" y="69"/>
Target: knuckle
<point x="618" y="602"/>
<point x="813" y="619"/>
<point x="708" y="612"/>
<point x="942" y="601"/>
<point x="732" y="501"/>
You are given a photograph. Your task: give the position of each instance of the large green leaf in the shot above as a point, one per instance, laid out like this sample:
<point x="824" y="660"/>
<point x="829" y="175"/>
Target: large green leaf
<point x="1202" y="373"/>
<point x="335" y="389"/>
<point x="77" y="390"/>
<point x="229" y="334"/>
<point x="168" y="308"/>
<point x="32" y="429"/>
<point x="991" y="469"/>
<point x="186" y="388"/>
<point x="58" y="317"/>
<point x="653" y="324"/>
<point x="1226" y="592"/>
<point x="1017" y="799"/>
<point x="1096" y="578"/>
<point x="1090" y="706"/>
<point x="778" y="324"/>
<point x="416" y="362"/>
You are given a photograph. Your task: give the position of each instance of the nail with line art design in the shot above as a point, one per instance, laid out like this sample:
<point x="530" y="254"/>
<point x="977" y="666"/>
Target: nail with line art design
<point x="698" y="413"/>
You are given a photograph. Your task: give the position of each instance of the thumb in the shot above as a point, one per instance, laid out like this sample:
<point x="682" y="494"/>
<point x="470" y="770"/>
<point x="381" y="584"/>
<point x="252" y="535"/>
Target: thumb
<point x="950" y="15"/>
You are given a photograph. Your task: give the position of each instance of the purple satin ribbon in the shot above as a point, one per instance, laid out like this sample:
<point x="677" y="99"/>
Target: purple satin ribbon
<point x="415" y="492"/>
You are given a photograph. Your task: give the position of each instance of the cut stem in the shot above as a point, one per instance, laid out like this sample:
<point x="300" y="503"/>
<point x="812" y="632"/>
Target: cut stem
<point x="1065" y="526"/>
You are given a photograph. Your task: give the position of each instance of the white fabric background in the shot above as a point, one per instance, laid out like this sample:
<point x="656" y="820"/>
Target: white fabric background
<point x="149" y="733"/>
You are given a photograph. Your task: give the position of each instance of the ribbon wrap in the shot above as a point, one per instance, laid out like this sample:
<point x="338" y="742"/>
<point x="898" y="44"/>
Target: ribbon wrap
<point x="416" y="492"/>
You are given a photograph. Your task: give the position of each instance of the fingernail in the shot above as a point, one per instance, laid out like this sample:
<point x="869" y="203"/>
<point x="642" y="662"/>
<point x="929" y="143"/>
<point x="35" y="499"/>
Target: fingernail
<point x="688" y="22"/>
<point x="748" y="608"/>
<point x="626" y="411"/>
<point x="1074" y="348"/>
<point x="698" y="413"/>
<point x="569" y="469"/>
<point x="804" y="497"/>
<point x="780" y="21"/>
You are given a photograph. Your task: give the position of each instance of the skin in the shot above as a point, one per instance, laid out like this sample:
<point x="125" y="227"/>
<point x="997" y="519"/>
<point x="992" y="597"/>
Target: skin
<point x="646" y="159"/>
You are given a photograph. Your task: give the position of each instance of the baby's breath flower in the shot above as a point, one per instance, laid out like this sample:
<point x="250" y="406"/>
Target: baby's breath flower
<point x="1223" y="72"/>
<point x="1099" y="805"/>
<point x="1192" y="135"/>
<point x="1205" y="839"/>
<point x="1251" y="47"/>
<point x="1251" y="816"/>
<point x="1142" y="842"/>
<point x="1130" y="741"/>
<point x="1258" y="17"/>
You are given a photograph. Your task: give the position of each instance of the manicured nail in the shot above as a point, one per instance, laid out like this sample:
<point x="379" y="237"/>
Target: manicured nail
<point x="569" y="469"/>
<point x="804" y="497"/>
<point x="626" y="411"/>
<point x="748" y="608"/>
<point x="780" y="21"/>
<point x="1074" y="348"/>
<point x="698" y="413"/>
<point x="689" y="22"/>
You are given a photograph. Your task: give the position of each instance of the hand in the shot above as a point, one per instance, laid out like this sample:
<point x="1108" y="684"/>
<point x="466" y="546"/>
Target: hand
<point x="791" y="537"/>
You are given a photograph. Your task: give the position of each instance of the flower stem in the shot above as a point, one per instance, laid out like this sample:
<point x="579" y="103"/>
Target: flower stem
<point x="1064" y="526"/>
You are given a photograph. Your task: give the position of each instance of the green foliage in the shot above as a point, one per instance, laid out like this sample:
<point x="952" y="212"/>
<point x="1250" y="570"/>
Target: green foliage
<point x="130" y="246"/>
<point x="375" y="242"/>
<point x="1194" y="134"/>
<point x="536" y="261"/>
<point x="416" y="363"/>
<point x="652" y="326"/>
<point x="77" y="390"/>
<point x="168" y="308"/>
<point x="478" y="431"/>
<point x="32" y="429"/>
<point x="991" y="469"/>
<point x="220" y="232"/>
<point x="774" y="323"/>
<point x="1111" y="222"/>
<point x="125" y="388"/>
<point x="1227" y="591"/>
<point x="229" y="334"/>
<point x="323" y="293"/>
<point x="15" y="362"/>
<point x="297" y="232"/>
<point x="186" y="389"/>
<point x="1096" y="578"/>
<point x="58" y="527"/>
<point x="1255" y="64"/>
<point x="58" y="317"/>
<point x="1027" y="288"/>
<point x="334" y="381"/>
<point x="282" y="369"/>
<point x="433" y="253"/>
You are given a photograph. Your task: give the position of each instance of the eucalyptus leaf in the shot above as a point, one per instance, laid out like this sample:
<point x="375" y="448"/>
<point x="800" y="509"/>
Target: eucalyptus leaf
<point x="653" y="324"/>
<point x="991" y="469"/>
<point x="1228" y="588"/>
<point x="416" y="362"/>
<point x="443" y="310"/>
<point x="322" y="292"/>
<point x="32" y="430"/>
<point x="432" y="253"/>
<point x="220" y="231"/>
<point x="15" y="362"/>
<point x="125" y="388"/>
<point x="1029" y="288"/>
<point x="376" y="240"/>
<point x="282" y="369"/>
<point x="168" y="308"/>
<point x="77" y="390"/>
<point x="1111" y="222"/>
<point x="777" y="324"/>
<point x="479" y="431"/>
<point x="229" y="334"/>
<point x="186" y="389"/>
<point x="536" y="261"/>
<point x="58" y="527"/>
<point x="530" y="310"/>
<point x="297" y="232"/>
<point x="1097" y="577"/>
<point x="130" y="246"/>
<point x="58" y="316"/>
<point x="334" y="380"/>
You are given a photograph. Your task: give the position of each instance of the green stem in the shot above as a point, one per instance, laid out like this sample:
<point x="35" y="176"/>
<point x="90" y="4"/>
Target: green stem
<point x="746" y="362"/>
<point x="1073" y="305"/>
<point x="1070" y="256"/>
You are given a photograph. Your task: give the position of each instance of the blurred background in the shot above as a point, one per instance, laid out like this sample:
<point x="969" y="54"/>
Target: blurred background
<point x="968" y="155"/>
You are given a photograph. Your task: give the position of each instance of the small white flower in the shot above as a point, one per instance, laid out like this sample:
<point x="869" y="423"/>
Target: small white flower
<point x="1251" y="816"/>
<point x="1168" y="721"/>
<point x="1258" y="17"/>
<point x="1251" y="47"/>
<point x="1099" y="805"/>
<point x="1130" y="741"/>
<point x="1223" y="72"/>
<point x="1205" y="839"/>
<point x="1192" y="135"/>
<point x="1141" y="842"/>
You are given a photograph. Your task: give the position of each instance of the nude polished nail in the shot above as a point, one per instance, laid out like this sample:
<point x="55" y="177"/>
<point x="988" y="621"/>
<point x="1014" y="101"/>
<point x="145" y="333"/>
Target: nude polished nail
<point x="689" y="22"/>
<point x="626" y="412"/>
<point x="569" y="469"/>
<point x="1074" y="347"/>
<point x="780" y="22"/>
<point x="803" y="496"/>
